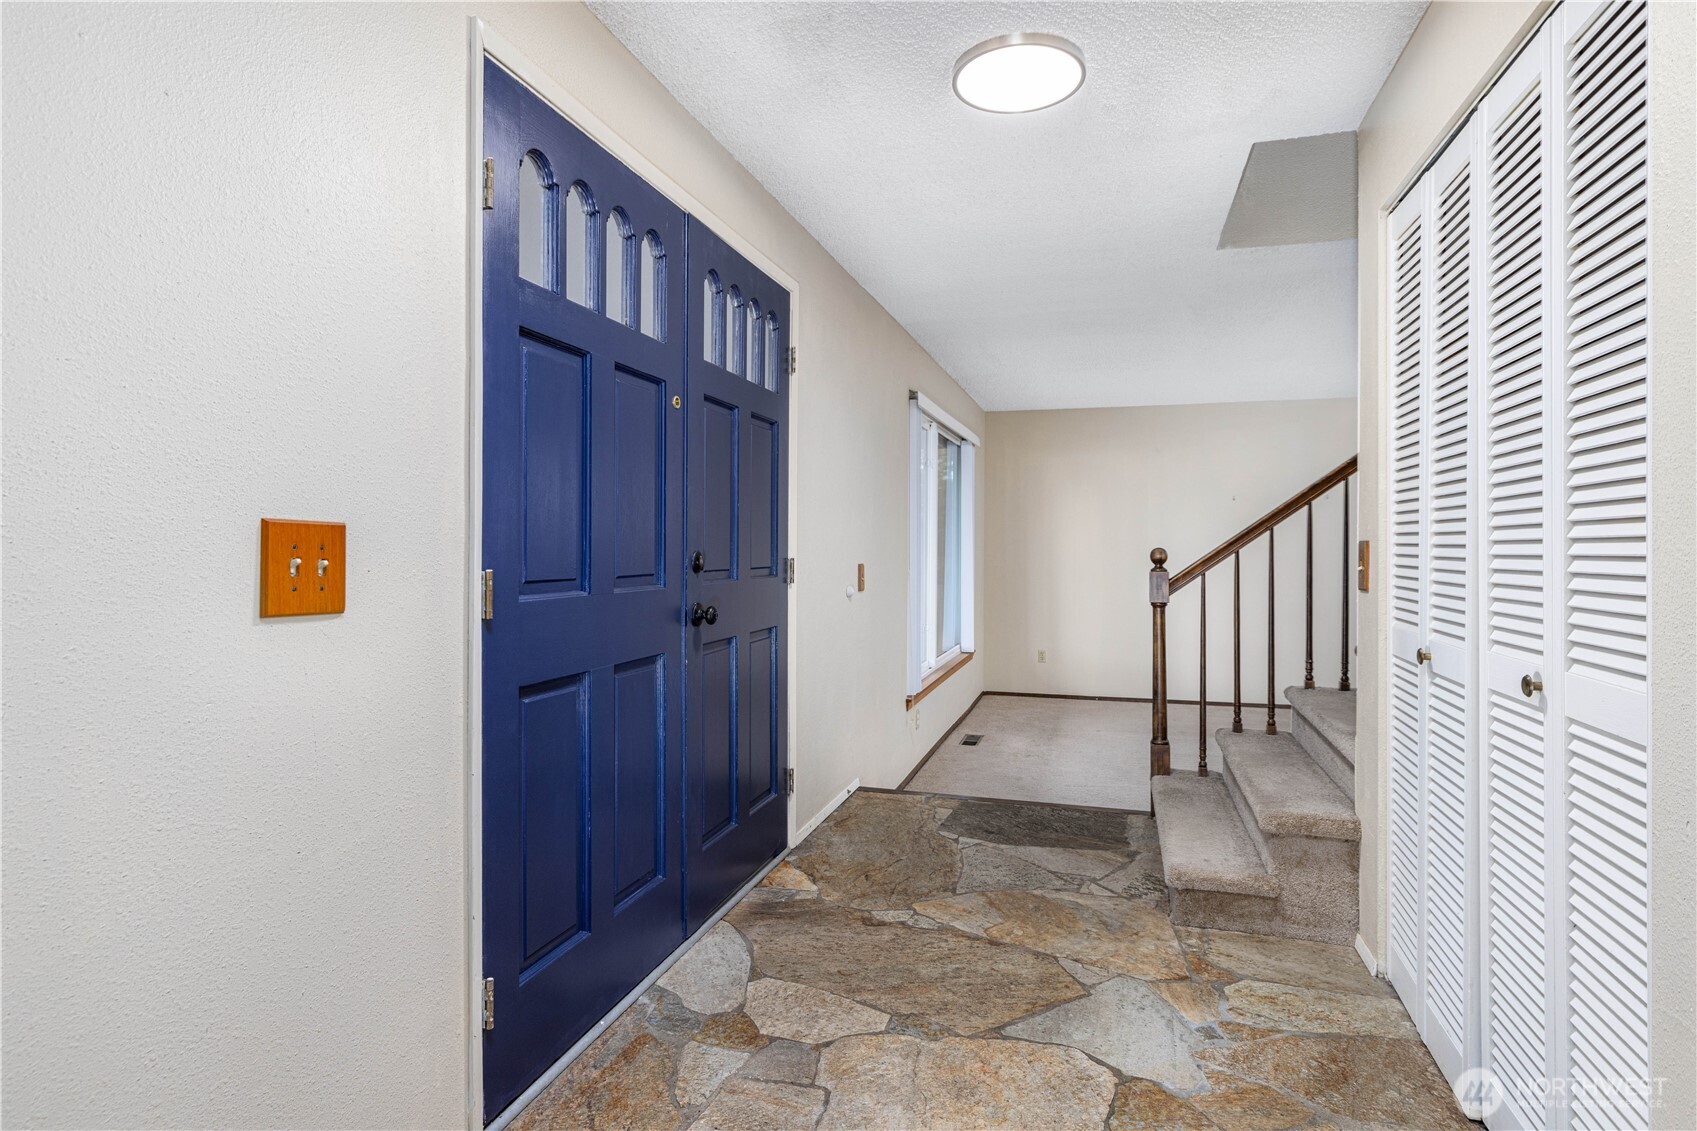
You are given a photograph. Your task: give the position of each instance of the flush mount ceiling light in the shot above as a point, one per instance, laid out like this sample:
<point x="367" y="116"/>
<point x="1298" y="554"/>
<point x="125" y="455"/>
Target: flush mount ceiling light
<point x="1014" y="74"/>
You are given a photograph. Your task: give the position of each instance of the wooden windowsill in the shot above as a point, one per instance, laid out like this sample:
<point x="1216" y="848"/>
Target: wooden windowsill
<point x="936" y="678"/>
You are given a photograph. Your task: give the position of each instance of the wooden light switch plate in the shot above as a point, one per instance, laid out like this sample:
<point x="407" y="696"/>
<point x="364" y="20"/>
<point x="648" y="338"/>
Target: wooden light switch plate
<point x="319" y="581"/>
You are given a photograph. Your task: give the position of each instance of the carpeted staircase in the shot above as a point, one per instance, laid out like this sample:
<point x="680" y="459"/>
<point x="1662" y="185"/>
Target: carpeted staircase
<point x="1269" y="842"/>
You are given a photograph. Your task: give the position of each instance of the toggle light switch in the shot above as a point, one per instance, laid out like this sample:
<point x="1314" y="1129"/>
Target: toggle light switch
<point x="287" y="590"/>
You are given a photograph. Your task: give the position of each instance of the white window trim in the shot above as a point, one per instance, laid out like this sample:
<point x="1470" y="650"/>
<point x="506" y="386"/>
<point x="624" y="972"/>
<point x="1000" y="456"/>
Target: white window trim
<point x="921" y="478"/>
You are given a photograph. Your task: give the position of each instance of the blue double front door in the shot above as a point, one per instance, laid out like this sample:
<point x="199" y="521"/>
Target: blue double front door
<point x="635" y="404"/>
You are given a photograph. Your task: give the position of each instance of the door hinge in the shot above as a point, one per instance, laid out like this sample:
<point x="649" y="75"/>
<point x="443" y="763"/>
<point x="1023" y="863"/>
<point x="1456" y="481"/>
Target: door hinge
<point x="488" y="183"/>
<point x="789" y="781"/>
<point x="789" y="571"/>
<point x="488" y="1003"/>
<point x="488" y="594"/>
<point x="792" y="361"/>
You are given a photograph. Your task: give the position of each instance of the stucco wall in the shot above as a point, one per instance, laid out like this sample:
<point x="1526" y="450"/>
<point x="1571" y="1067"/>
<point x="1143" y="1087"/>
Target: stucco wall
<point x="235" y="274"/>
<point x="1447" y="63"/>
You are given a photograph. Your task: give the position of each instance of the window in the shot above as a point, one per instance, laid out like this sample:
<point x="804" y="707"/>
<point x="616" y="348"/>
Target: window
<point x="651" y="294"/>
<point x="619" y="253"/>
<point x="941" y="591"/>
<point x="539" y="217"/>
<point x="580" y="239"/>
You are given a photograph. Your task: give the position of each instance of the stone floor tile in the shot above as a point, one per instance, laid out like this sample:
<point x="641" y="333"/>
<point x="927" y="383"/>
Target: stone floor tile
<point x="1195" y="1001"/>
<point x="1114" y="934"/>
<point x="1140" y="1104"/>
<point x="903" y="1082"/>
<point x="1273" y="1005"/>
<point x="784" y="1062"/>
<point x="1126" y="1024"/>
<point x="1375" y="1080"/>
<point x="882" y="852"/>
<point x="1089" y="975"/>
<point x="963" y="983"/>
<point x="1295" y="962"/>
<point x="1004" y="822"/>
<point x="701" y="1069"/>
<point x="712" y="974"/>
<point x="1239" y="1105"/>
<point x="811" y="1016"/>
<point x="761" y="1105"/>
<point x="730" y="1030"/>
<point x="1137" y="881"/>
<point x="986" y="868"/>
<point x="787" y="875"/>
<point x="630" y="1090"/>
<point x="1085" y="863"/>
<point x="1241" y="1033"/>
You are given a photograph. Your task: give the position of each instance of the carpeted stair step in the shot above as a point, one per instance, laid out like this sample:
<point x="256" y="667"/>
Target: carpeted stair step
<point x="1323" y="720"/>
<point x="1284" y="792"/>
<point x="1204" y="846"/>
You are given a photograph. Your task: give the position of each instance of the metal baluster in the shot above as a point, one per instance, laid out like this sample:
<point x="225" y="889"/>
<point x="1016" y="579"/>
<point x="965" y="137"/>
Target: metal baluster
<point x="1308" y="622"/>
<point x="1343" y="652"/>
<point x="1272" y="721"/>
<point x="1202" y="690"/>
<point x="1237" y="645"/>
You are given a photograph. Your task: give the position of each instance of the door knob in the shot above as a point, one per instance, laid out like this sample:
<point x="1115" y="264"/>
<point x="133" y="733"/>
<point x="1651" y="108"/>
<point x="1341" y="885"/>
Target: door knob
<point x="697" y="563"/>
<point x="703" y="614"/>
<point x="1423" y="656"/>
<point x="1529" y="686"/>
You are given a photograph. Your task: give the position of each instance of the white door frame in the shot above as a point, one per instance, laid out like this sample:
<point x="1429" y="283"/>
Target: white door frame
<point x="485" y="40"/>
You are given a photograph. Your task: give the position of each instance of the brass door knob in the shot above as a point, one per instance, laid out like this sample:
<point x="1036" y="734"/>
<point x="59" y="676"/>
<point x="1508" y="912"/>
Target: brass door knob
<point x="1529" y="686"/>
<point x="1423" y="656"/>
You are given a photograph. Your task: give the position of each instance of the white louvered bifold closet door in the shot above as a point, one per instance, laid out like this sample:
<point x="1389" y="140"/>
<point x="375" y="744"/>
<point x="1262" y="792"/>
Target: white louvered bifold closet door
<point x="1408" y="355"/>
<point x="1603" y="491"/>
<point x="1452" y="193"/>
<point x="1521" y="780"/>
<point x="1518" y="774"/>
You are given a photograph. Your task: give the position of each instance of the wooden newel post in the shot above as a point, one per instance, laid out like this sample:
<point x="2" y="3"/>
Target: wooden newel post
<point x="1160" y="753"/>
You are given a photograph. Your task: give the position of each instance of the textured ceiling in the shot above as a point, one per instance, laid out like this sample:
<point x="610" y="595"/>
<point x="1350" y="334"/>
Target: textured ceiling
<point x="1066" y="258"/>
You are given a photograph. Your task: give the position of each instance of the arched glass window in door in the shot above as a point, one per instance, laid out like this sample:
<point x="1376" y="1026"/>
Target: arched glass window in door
<point x="774" y="360"/>
<point x="651" y="294"/>
<point x="735" y="339"/>
<point x="620" y="254"/>
<point x="713" y="320"/>
<point x="580" y="243"/>
<point x="539" y="222"/>
<point x="754" y="351"/>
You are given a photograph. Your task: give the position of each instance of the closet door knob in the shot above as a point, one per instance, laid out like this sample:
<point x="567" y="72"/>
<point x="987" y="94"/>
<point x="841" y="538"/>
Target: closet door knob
<point x="1529" y="686"/>
<point x="1423" y="656"/>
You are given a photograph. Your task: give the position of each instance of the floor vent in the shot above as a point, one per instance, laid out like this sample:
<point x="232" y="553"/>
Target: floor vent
<point x="972" y="740"/>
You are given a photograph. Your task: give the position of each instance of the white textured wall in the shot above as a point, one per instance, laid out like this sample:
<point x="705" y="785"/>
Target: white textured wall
<point x="1079" y="497"/>
<point x="1447" y="63"/>
<point x="235" y="271"/>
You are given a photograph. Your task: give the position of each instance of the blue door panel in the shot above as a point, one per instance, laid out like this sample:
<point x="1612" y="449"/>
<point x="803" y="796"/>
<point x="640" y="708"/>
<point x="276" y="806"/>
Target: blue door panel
<point x="716" y="707"/>
<point x="737" y="520"/>
<point x="632" y="760"/>
<point x="583" y="676"/>
<point x="554" y="753"/>
<point x="639" y="788"/>
<point x="556" y="458"/>
<point x="640" y="429"/>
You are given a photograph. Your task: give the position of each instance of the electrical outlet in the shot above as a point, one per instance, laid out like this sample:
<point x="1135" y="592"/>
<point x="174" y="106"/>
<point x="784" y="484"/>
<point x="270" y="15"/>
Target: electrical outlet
<point x="1042" y="656"/>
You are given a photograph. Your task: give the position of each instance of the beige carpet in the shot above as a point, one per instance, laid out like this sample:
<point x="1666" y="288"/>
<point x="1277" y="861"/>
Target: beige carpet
<point x="1067" y="751"/>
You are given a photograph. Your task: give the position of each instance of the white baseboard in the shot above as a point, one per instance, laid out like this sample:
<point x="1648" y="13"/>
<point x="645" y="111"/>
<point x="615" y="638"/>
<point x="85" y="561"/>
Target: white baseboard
<point x="1366" y="956"/>
<point x="830" y="807"/>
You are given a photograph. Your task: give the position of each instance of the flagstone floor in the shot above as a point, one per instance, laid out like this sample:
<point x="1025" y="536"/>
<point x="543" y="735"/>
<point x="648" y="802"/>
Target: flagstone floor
<point x="929" y="962"/>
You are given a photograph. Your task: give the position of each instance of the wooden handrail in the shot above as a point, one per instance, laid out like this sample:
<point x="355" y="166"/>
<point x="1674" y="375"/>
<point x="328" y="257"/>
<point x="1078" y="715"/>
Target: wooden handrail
<point x="1261" y="525"/>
